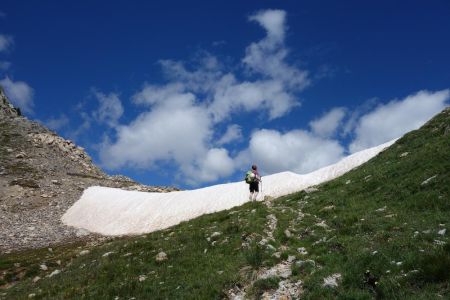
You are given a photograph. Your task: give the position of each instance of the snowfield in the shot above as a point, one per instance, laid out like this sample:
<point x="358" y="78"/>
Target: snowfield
<point x="110" y="211"/>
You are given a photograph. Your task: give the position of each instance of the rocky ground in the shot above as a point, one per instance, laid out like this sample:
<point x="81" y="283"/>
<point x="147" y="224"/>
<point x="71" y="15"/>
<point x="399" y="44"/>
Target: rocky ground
<point x="41" y="176"/>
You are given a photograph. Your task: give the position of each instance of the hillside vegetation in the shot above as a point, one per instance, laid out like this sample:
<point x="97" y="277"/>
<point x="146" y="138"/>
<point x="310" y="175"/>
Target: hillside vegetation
<point x="378" y="232"/>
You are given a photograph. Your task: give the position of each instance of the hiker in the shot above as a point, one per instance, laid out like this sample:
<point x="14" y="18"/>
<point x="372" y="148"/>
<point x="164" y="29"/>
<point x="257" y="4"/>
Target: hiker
<point x="253" y="178"/>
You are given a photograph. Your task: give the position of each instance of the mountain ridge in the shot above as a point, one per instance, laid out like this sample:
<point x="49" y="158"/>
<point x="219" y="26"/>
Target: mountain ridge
<point x="41" y="175"/>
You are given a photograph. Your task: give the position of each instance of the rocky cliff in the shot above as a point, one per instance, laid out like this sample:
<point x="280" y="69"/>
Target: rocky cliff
<point x="41" y="176"/>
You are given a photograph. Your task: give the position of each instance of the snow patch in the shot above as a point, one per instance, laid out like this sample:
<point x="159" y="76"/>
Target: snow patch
<point x="111" y="211"/>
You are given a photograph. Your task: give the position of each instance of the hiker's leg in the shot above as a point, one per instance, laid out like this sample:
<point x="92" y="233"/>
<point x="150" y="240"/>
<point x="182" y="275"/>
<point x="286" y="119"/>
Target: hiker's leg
<point x="255" y="195"/>
<point x="250" y="197"/>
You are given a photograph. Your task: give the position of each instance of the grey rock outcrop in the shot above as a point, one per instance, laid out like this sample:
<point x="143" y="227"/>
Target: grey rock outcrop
<point x="41" y="176"/>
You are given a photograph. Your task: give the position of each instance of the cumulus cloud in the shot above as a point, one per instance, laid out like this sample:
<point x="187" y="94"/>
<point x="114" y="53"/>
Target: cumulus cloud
<point x="181" y="115"/>
<point x="392" y="120"/>
<point x="216" y="164"/>
<point x="110" y="109"/>
<point x="174" y="130"/>
<point x="206" y="72"/>
<point x="56" y="123"/>
<point x="19" y="93"/>
<point x="233" y="133"/>
<point x="268" y="56"/>
<point x="6" y="42"/>
<point x="233" y="96"/>
<point x="4" y="65"/>
<point x="327" y="125"/>
<point x="153" y="94"/>
<point x="297" y="150"/>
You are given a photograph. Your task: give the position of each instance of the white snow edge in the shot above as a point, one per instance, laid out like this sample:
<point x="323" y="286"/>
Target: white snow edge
<point x="111" y="211"/>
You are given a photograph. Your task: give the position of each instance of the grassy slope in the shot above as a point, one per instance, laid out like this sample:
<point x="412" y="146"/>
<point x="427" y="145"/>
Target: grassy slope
<point x="398" y="243"/>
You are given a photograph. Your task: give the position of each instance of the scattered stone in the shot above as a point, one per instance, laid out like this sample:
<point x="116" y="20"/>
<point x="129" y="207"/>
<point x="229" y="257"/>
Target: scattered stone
<point x="36" y="279"/>
<point x="291" y="258"/>
<point x="54" y="273"/>
<point x="428" y="180"/>
<point x="321" y="224"/>
<point x="404" y="154"/>
<point x="84" y="252"/>
<point x="328" y="208"/>
<point x="21" y="155"/>
<point x="348" y="181"/>
<point x="161" y="256"/>
<point x="215" y="234"/>
<point x="270" y="247"/>
<point x="331" y="281"/>
<point x="107" y="254"/>
<point x="302" y="263"/>
<point x="43" y="267"/>
<point x="31" y="295"/>
<point x="442" y="231"/>
<point x="142" y="278"/>
<point x="311" y="189"/>
<point x="302" y="251"/>
<point x="381" y="209"/>
<point x="439" y="243"/>
<point x="81" y="232"/>
<point x="287" y="233"/>
<point x="286" y="290"/>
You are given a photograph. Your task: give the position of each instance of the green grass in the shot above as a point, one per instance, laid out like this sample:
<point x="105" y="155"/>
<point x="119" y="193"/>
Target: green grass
<point x="385" y="221"/>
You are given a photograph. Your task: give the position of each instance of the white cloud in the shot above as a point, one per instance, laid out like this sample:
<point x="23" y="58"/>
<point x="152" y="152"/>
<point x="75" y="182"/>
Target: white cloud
<point x="174" y="130"/>
<point x="297" y="150"/>
<point x="19" y="93"/>
<point x="56" y="123"/>
<point x="233" y="133"/>
<point x="153" y="94"/>
<point x="4" y="65"/>
<point x="273" y="20"/>
<point x="6" y="42"/>
<point x="207" y="71"/>
<point x="216" y="164"/>
<point x="327" y="125"/>
<point x="178" y="126"/>
<point x="267" y="57"/>
<point x="110" y="109"/>
<point x="232" y="96"/>
<point x="397" y="117"/>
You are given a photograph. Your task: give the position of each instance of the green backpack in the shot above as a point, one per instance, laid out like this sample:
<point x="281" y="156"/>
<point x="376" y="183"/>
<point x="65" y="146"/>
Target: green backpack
<point x="248" y="177"/>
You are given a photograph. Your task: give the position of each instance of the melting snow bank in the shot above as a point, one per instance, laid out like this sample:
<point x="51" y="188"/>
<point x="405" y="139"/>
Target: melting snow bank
<point x="111" y="211"/>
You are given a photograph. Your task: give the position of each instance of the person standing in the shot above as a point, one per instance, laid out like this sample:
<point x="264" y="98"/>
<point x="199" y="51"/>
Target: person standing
<point x="253" y="179"/>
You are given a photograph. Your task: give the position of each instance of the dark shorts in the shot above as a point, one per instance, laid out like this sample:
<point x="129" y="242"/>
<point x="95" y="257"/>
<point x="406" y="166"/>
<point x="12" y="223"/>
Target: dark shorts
<point x="254" y="187"/>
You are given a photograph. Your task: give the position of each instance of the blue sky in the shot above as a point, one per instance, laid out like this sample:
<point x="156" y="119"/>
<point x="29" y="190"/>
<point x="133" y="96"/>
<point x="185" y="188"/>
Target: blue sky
<point x="190" y="93"/>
